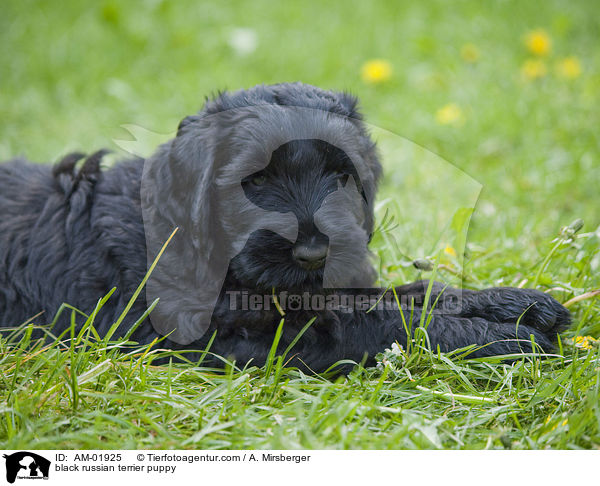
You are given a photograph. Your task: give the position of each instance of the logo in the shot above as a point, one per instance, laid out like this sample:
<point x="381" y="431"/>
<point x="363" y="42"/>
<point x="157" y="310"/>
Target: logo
<point x="26" y="465"/>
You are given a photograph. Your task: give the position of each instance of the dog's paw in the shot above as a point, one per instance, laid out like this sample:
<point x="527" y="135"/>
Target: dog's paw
<point x="529" y="307"/>
<point x="546" y="313"/>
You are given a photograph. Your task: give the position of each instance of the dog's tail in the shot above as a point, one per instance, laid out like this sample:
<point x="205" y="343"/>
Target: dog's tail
<point x="66" y="173"/>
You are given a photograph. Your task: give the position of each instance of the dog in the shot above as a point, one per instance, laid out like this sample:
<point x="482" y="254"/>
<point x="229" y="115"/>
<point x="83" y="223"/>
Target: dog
<point x="265" y="198"/>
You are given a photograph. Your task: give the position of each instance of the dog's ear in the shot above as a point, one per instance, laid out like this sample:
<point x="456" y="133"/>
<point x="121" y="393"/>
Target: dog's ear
<point x="370" y="184"/>
<point x="188" y="120"/>
<point x="350" y="103"/>
<point x="366" y="174"/>
<point x="178" y="192"/>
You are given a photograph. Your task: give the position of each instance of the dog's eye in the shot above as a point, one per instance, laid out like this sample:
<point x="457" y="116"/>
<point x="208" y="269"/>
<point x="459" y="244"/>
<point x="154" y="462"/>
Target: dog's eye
<point x="259" y="180"/>
<point x="341" y="174"/>
<point x="342" y="177"/>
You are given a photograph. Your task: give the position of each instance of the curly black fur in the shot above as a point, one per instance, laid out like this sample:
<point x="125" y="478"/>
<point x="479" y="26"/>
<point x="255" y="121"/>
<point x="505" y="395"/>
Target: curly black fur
<point x="70" y="234"/>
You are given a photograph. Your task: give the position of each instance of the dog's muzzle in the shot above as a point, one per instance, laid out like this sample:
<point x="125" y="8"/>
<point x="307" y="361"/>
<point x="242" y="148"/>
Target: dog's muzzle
<point x="310" y="256"/>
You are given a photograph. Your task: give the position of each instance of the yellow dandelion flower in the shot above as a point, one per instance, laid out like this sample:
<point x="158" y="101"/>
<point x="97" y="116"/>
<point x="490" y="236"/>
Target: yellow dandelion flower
<point x="584" y="342"/>
<point x="559" y="424"/>
<point x="538" y="42"/>
<point x="450" y="251"/>
<point x="469" y="53"/>
<point x="569" y="67"/>
<point x="449" y="114"/>
<point x="534" y="69"/>
<point x="376" y="71"/>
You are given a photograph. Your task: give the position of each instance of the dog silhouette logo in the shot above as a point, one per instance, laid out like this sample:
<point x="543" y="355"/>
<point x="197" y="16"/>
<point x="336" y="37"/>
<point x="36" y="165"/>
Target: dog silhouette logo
<point x="26" y="465"/>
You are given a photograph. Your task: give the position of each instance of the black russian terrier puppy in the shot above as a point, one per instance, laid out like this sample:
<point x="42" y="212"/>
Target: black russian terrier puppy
<point x="272" y="192"/>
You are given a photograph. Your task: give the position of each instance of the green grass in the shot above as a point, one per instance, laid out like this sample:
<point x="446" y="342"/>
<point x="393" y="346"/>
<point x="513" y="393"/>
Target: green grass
<point x="525" y="157"/>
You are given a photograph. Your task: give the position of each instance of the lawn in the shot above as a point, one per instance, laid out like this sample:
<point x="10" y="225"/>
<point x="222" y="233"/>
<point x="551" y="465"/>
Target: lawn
<point x="483" y="111"/>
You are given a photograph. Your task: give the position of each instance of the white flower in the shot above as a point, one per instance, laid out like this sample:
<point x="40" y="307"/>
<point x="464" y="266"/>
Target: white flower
<point x="397" y="349"/>
<point x="243" y="40"/>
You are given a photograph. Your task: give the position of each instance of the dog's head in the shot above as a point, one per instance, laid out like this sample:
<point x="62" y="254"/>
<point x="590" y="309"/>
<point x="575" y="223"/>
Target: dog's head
<point x="319" y="185"/>
<point x="272" y="188"/>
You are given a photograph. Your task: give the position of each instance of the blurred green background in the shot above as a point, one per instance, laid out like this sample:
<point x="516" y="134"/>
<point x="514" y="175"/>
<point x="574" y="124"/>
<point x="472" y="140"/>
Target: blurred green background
<point x="506" y="91"/>
<point x="494" y="102"/>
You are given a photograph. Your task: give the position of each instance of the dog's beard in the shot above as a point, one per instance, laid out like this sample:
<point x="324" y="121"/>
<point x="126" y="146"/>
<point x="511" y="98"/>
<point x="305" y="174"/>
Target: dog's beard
<point x="266" y="262"/>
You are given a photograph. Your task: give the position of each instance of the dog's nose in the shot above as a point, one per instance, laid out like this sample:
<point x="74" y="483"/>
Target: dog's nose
<point x="310" y="256"/>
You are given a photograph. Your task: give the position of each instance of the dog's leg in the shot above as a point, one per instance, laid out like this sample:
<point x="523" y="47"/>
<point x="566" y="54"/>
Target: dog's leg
<point x="449" y="332"/>
<point x="353" y="334"/>
<point x="527" y="306"/>
<point x="500" y="304"/>
<point x="370" y="333"/>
